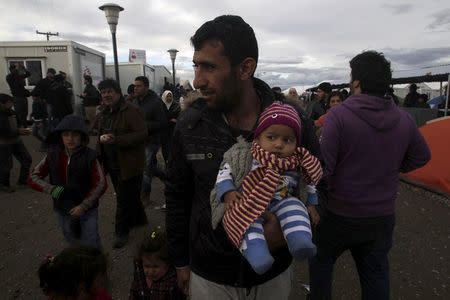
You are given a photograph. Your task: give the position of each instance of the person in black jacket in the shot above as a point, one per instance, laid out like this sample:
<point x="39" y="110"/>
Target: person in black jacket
<point x="91" y="99"/>
<point x="59" y="99"/>
<point x="225" y="59"/>
<point x="16" y="82"/>
<point x="11" y="145"/>
<point x="319" y="106"/>
<point x="156" y="120"/>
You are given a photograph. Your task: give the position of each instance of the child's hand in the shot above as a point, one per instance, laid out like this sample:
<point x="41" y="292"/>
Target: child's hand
<point x="76" y="212"/>
<point x="231" y="199"/>
<point x="314" y="215"/>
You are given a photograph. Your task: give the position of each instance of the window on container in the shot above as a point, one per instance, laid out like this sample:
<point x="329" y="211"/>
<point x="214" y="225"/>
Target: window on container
<point x="33" y="66"/>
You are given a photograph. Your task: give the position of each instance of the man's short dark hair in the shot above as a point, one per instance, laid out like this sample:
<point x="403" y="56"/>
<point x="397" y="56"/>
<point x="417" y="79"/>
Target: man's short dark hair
<point x="12" y="67"/>
<point x="88" y="79"/>
<point x="143" y="79"/>
<point x="5" y="98"/>
<point x="51" y="70"/>
<point x="276" y="89"/>
<point x="326" y="87"/>
<point x="109" y="83"/>
<point x="237" y="37"/>
<point x="373" y="71"/>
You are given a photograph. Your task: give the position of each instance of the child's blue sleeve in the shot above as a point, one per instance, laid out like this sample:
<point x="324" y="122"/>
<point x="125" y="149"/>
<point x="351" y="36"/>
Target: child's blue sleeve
<point x="311" y="198"/>
<point x="224" y="182"/>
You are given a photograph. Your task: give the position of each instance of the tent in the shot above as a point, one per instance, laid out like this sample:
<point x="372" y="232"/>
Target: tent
<point x="436" y="174"/>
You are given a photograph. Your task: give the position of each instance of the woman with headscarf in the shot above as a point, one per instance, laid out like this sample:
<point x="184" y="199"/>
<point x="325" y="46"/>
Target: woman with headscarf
<point x="172" y="110"/>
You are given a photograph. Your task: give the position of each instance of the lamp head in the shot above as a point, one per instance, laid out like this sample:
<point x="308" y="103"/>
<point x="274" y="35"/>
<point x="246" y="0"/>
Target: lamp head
<point x="112" y="14"/>
<point x="173" y="53"/>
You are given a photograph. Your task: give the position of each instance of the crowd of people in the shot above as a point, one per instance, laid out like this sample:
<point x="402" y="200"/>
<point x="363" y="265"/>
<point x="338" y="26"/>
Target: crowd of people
<point x="238" y="155"/>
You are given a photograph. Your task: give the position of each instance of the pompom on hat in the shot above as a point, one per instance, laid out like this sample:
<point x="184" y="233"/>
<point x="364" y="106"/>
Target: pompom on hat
<point x="279" y="114"/>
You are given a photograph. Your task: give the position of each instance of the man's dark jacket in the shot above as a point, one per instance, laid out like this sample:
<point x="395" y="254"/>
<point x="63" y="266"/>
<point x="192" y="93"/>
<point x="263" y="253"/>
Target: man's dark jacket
<point x="155" y="116"/>
<point x="92" y="97"/>
<point x="200" y="139"/>
<point x="16" y="84"/>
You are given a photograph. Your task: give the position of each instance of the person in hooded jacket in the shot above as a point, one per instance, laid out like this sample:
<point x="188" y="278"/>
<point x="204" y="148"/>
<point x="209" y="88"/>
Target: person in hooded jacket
<point x="173" y="111"/>
<point x="76" y="181"/>
<point x="366" y="142"/>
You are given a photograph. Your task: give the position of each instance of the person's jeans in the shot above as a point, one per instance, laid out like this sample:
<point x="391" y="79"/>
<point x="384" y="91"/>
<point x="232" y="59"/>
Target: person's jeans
<point x="83" y="230"/>
<point x="40" y="130"/>
<point x="130" y="211"/>
<point x="151" y="168"/>
<point x="21" y="108"/>
<point x="369" y="241"/>
<point x="18" y="150"/>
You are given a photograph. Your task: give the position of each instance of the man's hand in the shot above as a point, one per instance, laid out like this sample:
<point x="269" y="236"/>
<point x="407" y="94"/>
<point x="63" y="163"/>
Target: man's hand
<point x="24" y="131"/>
<point x="76" y="212"/>
<point x="108" y="138"/>
<point x="231" y="199"/>
<point x="183" y="276"/>
<point x="272" y="231"/>
<point x="314" y="215"/>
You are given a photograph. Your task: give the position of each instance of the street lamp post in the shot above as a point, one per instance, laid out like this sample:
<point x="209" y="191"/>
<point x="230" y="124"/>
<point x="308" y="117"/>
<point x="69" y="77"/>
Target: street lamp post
<point x="173" y="55"/>
<point x="112" y="17"/>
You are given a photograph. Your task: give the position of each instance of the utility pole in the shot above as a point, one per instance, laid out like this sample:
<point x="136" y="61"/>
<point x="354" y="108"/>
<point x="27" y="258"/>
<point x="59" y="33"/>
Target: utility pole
<point x="48" y="34"/>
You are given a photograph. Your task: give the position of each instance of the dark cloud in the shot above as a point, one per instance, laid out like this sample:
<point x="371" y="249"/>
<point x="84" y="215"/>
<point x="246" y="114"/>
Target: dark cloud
<point x="418" y="57"/>
<point x="398" y="9"/>
<point x="441" y="20"/>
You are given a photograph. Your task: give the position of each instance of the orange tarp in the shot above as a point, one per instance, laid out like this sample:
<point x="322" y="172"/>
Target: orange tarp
<point x="436" y="173"/>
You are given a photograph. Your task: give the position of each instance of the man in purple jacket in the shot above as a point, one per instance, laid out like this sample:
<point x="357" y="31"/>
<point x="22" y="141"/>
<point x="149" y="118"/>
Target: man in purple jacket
<point x="366" y="142"/>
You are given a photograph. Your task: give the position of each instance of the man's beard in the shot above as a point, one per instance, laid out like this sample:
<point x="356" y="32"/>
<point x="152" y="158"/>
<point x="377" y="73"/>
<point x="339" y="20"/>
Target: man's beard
<point x="230" y="97"/>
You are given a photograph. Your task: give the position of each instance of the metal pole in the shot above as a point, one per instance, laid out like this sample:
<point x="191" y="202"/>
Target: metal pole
<point x="116" y="61"/>
<point x="173" y="73"/>
<point x="448" y="96"/>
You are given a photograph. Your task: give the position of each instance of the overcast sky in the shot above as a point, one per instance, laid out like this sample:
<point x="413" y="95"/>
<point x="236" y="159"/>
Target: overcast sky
<point x="301" y="42"/>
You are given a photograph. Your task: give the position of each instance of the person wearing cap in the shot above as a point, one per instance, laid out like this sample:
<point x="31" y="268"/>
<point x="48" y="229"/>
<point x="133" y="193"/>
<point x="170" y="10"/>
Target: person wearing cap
<point x="412" y="98"/>
<point x="319" y="106"/>
<point x="11" y="145"/>
<point x="271" y="184"/>
<point x="76" y="181"/>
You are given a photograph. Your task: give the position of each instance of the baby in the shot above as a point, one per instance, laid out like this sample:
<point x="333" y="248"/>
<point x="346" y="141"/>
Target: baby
<point x="271" y="184"/>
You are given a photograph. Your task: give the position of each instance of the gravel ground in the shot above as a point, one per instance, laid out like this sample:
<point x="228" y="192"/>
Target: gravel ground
<point x="420" y="258"/>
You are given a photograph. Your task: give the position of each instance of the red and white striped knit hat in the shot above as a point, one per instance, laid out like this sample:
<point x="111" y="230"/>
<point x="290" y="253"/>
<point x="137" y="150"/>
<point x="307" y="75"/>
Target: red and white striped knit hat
<point x="279" y="114"/>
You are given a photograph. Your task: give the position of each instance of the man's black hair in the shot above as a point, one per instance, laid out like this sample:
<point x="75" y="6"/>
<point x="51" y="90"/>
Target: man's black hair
<point x="109" y="83"/>
<point x="88" y="79"/>
<point x="130" y="89"/>
<point x="63" y="274"/>
<point x="373" y="71"/>
<point x="237" y="37"/>
<point x="143" y="79"/>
